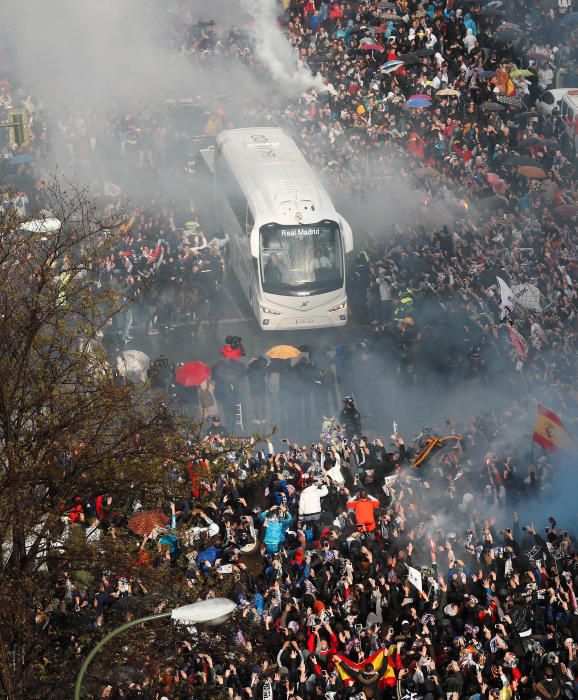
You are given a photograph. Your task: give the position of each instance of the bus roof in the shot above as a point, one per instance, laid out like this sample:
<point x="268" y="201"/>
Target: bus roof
<point x="274" y="175"/>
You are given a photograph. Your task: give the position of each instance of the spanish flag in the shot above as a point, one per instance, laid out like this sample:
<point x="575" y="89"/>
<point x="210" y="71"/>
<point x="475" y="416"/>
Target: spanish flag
<point x="550" y="433"/>
<point x="380" y="662"/>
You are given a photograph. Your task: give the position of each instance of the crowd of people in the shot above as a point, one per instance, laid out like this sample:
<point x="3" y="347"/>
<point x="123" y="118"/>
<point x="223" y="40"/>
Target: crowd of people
<point x="357" y="573"/>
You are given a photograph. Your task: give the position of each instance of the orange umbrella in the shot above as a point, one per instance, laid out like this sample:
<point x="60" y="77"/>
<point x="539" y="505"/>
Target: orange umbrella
<point x="283" y="352"/>
<point x="532" y="171"/>
<point x="144" y="523"/>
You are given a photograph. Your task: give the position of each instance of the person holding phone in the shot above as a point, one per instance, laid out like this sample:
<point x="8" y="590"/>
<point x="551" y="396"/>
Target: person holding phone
<point x="310" y="500"/>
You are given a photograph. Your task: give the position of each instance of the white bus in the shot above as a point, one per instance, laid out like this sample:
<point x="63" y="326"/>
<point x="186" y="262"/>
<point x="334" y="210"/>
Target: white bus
<point x="288" y="244"/>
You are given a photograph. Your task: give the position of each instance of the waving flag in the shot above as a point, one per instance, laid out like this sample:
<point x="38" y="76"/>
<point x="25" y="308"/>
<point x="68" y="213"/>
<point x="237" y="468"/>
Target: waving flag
<point x="380" y="662"/>
<point x="519" y="343"/>
<point x="551" y="433"/>
<point x="433" y="445"/>
<point x="506" y="299"/>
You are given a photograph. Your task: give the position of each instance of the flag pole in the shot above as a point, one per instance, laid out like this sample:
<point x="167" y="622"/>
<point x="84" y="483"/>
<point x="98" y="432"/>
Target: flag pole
<point x="524" y="379"/>
<point x="532" y="435"/>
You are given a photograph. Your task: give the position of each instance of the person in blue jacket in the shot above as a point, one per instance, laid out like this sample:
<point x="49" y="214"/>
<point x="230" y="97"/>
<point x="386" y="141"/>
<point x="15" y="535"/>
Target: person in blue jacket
<point x="207" y="559"/>
<point x="470" y="24"/>
<point x="276" y="522"/>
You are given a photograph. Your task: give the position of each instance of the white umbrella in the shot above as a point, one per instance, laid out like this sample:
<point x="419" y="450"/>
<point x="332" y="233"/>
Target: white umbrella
<point x="527" y="296"/>
<point x="133" y="365"/>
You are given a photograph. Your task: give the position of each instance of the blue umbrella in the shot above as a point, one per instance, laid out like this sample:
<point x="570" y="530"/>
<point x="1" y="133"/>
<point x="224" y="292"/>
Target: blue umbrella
<point x="418" y="102"/>
<point x="572" y="18"/>
<point x="20" y="159"/>
<point x="487" y="74"/>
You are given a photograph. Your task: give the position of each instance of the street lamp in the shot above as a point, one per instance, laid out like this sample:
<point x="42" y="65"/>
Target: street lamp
<point x="213" y="611"/>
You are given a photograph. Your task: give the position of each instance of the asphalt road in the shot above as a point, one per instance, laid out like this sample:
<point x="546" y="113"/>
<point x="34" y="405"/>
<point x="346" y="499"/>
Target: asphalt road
<point x="193" y="341"/>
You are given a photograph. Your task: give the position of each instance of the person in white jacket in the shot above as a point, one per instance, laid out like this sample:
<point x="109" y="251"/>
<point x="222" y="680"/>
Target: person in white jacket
<point x="310" y="500"/>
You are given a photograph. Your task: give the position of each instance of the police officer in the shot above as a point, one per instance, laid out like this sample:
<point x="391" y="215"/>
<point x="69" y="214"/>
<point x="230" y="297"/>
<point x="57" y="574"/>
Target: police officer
<point x="350" y="418"/>
<point x="405" y="304"/>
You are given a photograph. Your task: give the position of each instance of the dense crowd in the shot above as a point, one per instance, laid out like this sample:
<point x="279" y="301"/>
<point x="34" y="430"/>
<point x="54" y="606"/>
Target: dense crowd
<point x="357" y="574"/>
<point x="318" y="542"/>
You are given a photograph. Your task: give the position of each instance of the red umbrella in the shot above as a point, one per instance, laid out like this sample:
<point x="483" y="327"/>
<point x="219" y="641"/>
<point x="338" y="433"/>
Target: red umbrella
<point x="144" y="523"/>
<point x="193" y="374"/>
<point x="420" y="97"/>
<point x="372" y="47"/>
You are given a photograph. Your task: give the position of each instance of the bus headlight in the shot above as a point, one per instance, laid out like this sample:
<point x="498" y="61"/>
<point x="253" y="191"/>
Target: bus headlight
<point x="340" y="307"/>
<point x="270" y="312"/>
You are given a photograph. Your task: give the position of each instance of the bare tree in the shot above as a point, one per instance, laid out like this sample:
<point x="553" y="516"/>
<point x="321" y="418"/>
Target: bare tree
<point x="68" y="429"/>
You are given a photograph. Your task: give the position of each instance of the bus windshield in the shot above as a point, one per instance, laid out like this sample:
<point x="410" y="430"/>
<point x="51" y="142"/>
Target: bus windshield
<point x="301" y="259"/>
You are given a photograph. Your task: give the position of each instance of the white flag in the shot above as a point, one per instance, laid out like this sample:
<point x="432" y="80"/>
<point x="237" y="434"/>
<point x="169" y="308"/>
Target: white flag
<point x="414" y="576"/>
<point x="111" y="190"/>
<point x="507" y="299"/>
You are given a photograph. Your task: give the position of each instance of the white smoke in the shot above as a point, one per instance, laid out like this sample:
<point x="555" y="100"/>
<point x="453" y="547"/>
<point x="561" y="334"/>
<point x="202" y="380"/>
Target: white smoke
<point x="292" y="77"/>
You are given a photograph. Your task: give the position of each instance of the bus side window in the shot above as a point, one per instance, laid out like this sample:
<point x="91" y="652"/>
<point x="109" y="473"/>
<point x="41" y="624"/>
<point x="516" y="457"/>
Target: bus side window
<point x="233" y="192"/>
<point x="249" y="222"/>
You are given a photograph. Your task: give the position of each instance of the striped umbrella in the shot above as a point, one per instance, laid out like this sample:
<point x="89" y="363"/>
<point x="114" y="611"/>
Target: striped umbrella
<point x="512" y="100"/>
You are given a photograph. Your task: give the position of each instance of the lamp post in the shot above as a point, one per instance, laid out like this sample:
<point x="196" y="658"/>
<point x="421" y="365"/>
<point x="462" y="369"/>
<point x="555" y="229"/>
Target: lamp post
<point x="212" y="611"/>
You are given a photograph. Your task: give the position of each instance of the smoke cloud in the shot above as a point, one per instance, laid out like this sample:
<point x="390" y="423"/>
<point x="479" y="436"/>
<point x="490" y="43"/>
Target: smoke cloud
<point x="292" y="77"/>
<point x="107" y="54"/>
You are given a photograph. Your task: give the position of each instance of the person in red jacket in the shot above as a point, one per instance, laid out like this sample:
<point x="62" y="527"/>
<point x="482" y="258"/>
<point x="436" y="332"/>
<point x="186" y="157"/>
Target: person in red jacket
<point x="364" y="507"/>
<point x="322" y="650"/>
<point x="336" y="11"/>
<point x="416" y="145"/>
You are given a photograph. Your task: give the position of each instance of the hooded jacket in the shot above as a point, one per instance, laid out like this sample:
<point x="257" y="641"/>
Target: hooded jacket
<point x="310" y="499"/>
<point x="275" y="530"/>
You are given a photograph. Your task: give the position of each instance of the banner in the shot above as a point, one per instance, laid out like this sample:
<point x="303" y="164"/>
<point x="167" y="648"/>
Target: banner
<point x="414" y="576"/>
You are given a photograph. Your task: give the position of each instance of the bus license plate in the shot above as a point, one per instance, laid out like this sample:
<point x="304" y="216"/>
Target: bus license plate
<point x="302" y="321"/>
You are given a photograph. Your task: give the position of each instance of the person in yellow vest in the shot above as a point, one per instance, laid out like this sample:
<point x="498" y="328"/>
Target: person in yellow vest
<point x="405" y="304"/>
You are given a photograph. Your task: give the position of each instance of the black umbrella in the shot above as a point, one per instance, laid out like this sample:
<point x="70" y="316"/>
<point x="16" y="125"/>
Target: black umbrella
<point x="506" y="35"/>
<point x="409" y="59"/>
<point x="492" y="107"/>
<point x="525" y="115"/>
<point x="494" y="203"/>
<point x="493" y="12"/>
<point x="537" y="141"/>
<point x="514" y="161"/>
<point x="424" y="53"/>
